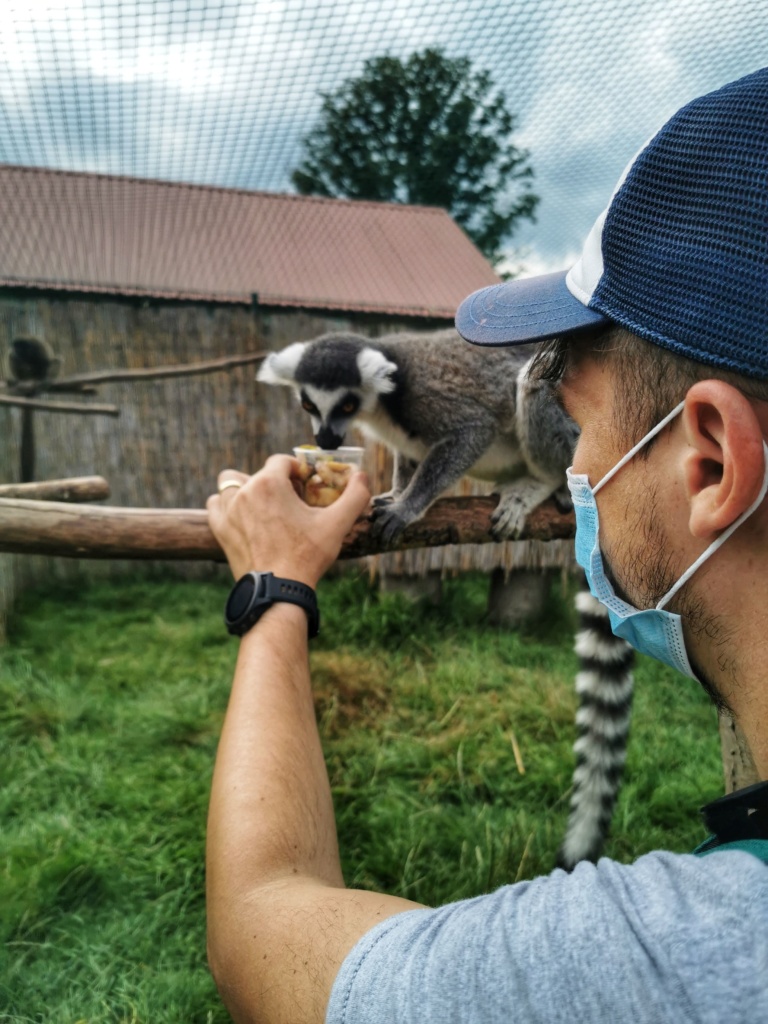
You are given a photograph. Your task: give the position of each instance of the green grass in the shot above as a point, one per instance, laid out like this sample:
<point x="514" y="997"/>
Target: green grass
<point x="111" y="700"/>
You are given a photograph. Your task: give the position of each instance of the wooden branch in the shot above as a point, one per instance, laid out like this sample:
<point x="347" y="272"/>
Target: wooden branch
<point x="73" y="489"/>
<point x="155" y="373"/>
<point x="31" y="389"/>
<point x="75" y="389"/>
<point x="22" y="388"/>
<point x="90" y="531"/>
<point x="40" y="403"/>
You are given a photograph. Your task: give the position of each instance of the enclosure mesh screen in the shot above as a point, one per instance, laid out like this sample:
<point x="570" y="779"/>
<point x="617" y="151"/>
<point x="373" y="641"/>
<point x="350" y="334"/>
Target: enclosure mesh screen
<point x="222" y="92"/>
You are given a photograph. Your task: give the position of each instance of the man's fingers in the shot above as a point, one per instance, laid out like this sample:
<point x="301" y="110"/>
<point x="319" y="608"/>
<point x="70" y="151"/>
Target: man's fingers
<point x="229" y="481"/>
<point x="353" y="502"/>
<point x="279" y="465"/>
<point x="230" y="474"/>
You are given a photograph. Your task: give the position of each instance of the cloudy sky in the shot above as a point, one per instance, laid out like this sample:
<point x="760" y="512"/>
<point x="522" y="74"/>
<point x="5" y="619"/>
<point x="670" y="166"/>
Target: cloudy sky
<point x="221" y="91"/>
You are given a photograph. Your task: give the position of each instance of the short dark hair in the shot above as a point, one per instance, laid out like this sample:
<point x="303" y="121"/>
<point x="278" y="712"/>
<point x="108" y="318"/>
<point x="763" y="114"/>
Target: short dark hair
<point x="650" y="380"/>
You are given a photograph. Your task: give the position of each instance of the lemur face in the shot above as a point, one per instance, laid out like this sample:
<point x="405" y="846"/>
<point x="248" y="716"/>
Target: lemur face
<point x="335" y="377"/>
<point x="331" y="412"/>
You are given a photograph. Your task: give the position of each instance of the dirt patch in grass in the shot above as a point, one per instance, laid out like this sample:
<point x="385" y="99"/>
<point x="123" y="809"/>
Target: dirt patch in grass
<point x="349" y="690"/>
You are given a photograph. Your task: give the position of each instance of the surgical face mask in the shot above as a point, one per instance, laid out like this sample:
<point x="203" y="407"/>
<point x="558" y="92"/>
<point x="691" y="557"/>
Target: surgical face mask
<point x="655" y="631"/>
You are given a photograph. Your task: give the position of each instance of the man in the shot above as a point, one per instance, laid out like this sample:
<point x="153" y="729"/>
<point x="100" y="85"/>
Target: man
<point x="662" y="358"/>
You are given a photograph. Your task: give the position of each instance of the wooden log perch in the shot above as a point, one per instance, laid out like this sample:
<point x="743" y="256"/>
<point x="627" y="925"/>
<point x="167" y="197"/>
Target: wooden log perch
<point x="153" y="373"/>
<point x="74" y="489"/>
<point x="460" y="521"/>
<point x="94" y="409"/>
<point x="91" y="531"/>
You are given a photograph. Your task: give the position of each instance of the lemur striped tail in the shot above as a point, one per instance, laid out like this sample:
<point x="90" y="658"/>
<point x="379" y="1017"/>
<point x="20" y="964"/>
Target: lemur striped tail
<point x="604" y="687"/>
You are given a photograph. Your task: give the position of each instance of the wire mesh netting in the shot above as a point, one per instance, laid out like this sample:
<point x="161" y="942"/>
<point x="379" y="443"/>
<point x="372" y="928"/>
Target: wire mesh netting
<point x="222" y="92"/>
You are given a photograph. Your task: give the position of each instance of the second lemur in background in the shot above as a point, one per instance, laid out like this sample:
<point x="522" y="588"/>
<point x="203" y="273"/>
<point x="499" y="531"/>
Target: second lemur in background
<point x="31" y="360"/>
<point x="447" y="409"/>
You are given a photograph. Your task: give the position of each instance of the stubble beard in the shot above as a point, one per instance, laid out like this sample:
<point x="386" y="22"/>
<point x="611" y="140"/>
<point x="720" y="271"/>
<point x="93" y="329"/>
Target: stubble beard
<point x="650" y="567"/>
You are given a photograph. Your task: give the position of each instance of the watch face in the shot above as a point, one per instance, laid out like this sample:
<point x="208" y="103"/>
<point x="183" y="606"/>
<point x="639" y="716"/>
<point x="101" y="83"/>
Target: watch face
<point x="241" y="597"/>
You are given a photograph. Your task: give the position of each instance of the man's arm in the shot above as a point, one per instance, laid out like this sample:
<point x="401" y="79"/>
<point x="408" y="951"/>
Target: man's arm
<point x="280" y="921"/>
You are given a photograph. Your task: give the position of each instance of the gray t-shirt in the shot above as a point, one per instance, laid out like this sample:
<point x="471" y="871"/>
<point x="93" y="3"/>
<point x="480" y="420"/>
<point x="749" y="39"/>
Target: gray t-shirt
<point x="673" y="938"/>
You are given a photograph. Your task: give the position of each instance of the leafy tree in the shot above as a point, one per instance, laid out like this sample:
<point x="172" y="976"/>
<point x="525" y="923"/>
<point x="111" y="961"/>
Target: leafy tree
<point x="428" y="131"/>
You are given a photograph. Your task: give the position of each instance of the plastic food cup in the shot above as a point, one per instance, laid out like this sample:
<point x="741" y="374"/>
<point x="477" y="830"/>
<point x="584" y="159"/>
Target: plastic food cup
<point x="324" y="473"/>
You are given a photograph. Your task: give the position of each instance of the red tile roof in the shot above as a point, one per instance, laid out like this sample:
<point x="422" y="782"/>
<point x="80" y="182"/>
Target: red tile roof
<point x="97" y="233"/>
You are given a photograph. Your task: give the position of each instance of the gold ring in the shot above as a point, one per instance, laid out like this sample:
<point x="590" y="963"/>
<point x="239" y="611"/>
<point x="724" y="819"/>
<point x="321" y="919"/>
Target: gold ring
<point x="229" y="483"/>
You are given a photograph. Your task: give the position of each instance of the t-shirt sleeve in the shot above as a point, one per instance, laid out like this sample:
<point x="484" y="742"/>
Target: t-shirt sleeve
<point x="670" y="938"/>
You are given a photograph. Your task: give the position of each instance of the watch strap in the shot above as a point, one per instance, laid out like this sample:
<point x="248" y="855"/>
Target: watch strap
<point x="268" y="589"/>
<point x="279" y="589"/>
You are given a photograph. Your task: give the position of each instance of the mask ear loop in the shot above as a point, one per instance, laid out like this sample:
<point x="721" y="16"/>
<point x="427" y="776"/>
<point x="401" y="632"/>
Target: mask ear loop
<point x="719" y="541"/>
<point x="633" y="452"/>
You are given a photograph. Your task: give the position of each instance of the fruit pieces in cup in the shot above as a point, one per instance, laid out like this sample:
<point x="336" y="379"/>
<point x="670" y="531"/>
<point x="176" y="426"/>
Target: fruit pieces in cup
<point x="324" y="473"/>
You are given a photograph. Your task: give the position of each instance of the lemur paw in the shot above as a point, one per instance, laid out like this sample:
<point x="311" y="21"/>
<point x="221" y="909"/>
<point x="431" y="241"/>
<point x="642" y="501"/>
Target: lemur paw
<point x="384" y="499"/>
<point x="508" y="519"/>
<point x="516" y="502"/>
<point x="387" y="522"/>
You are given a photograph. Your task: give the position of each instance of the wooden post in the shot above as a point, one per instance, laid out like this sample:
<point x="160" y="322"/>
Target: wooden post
<point x="518" y="596"/>
<point x="738" y="766"/>
<point x="27" y="469"/>
<point x="428" y="587"/>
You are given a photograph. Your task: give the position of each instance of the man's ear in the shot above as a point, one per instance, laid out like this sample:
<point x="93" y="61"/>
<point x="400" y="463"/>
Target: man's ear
<point x="725" y="467"/>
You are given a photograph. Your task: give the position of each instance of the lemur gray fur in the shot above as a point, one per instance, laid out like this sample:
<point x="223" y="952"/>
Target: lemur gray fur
<point x="448" y="409"/>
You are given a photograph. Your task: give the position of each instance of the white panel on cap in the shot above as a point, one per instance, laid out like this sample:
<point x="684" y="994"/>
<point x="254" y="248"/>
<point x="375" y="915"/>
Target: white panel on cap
<point x="584" y="276"/>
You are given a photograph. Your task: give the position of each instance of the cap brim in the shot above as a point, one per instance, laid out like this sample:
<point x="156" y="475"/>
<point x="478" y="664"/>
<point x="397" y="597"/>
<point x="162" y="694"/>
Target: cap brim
<point x="531" y="309"/>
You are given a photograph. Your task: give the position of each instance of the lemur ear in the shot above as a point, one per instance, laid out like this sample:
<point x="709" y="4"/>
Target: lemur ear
<point x="376" y="371"/>
<point x="280" y="367"/>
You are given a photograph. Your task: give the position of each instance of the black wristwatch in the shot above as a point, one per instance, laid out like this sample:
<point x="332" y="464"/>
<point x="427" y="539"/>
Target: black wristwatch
<point x="256" y="591"/>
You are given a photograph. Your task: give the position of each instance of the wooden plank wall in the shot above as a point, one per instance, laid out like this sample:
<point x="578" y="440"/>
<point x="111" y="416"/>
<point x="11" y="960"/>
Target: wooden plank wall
<point x="172" y="435"/>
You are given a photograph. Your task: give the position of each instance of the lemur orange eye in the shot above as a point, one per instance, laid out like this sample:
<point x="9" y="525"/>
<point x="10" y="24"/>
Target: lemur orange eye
<point x="308" y="406"/>
<point x="348" y="407"/>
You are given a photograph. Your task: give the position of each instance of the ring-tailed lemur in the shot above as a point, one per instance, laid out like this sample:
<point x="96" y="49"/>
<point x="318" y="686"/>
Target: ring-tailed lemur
<point x="448" y="409"/>
<point x="32" y="359"/>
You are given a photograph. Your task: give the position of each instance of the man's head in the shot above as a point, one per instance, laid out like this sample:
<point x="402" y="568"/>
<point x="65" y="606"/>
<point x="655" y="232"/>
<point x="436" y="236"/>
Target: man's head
<point x="682" y="490"/>
<point x="669" y="302"/>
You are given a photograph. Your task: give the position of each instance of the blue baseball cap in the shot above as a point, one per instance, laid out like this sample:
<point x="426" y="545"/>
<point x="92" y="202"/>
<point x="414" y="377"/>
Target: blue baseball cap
<point x="680" y="255"/>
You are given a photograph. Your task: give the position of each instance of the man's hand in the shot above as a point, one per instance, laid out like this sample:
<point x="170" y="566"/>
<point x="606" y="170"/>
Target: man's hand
<point x="264" y="526"/>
